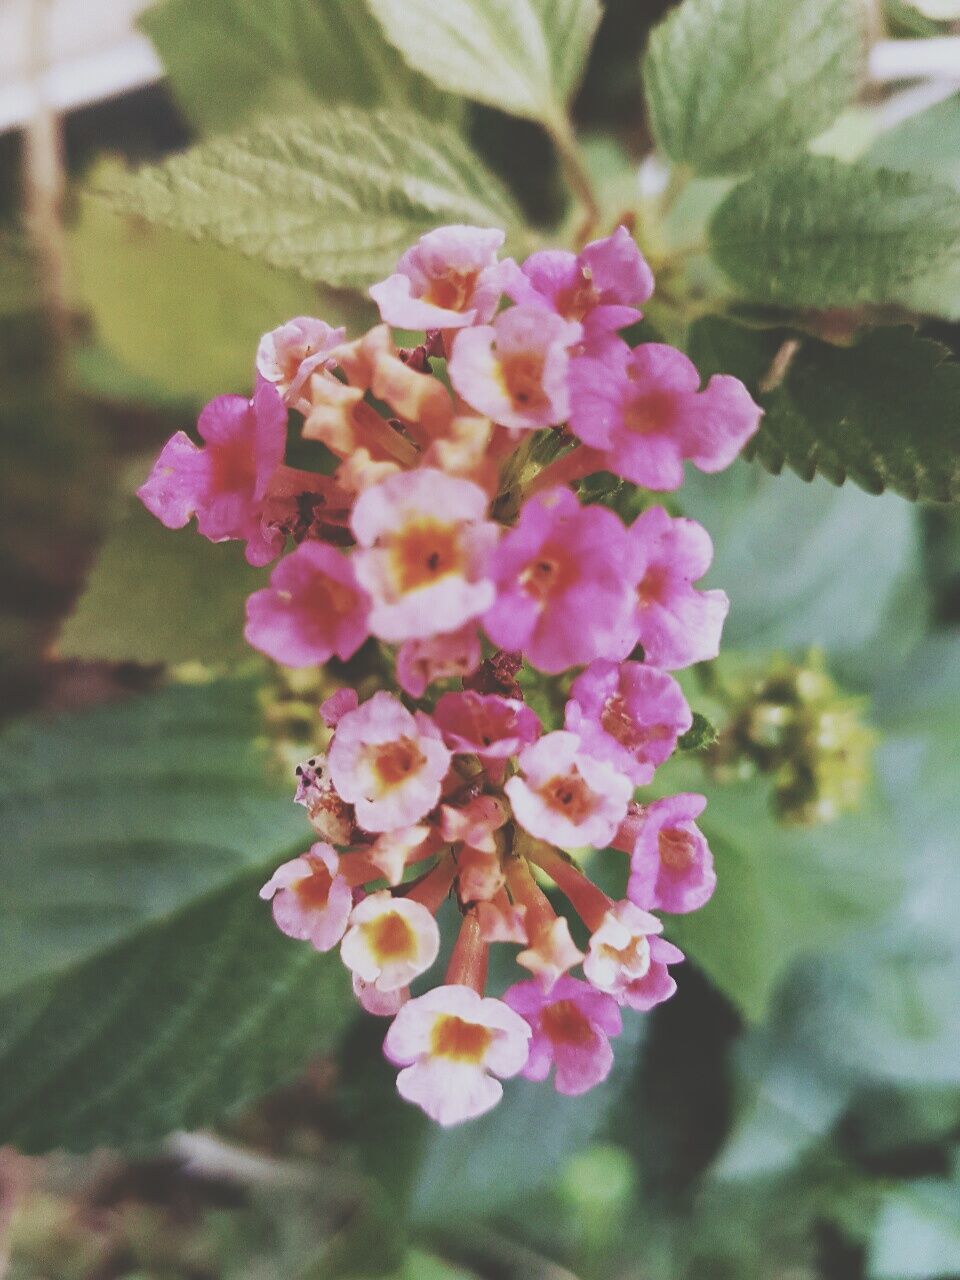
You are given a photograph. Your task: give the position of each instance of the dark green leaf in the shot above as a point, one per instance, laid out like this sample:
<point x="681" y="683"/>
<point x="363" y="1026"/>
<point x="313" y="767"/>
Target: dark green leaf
<point x="733" y="83"/>
<point x="701" y="734"/>
<point x="335" y="195"/>
<point x="814" y="232"/>
<point x="884" y="412"/>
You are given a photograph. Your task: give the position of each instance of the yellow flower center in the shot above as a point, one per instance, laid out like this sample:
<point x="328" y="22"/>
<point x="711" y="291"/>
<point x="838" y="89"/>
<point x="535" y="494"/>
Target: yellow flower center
<point x="390" y="937"/>
<point x="458" y="1040"/>
<point x="394" y="762"/>
<point x="521" y="375"/>
<point x="423" y="552"/>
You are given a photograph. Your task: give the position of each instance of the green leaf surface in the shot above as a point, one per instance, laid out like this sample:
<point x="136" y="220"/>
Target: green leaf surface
<point x="186" y="316"/>
<point x="336" y="196"/>
<point x="731" y="84"/>
<point x="521" y="56"/>
<point x="144" y="985"/>
<point x="917" y="1234"/>
<point x="161" y="595"/>
<point x="814" y="232"/>
<point x="781" y="892"/>
<point x="231" y="60"/>
<point x="804" y="564"/>
<point x="884" y="412"/>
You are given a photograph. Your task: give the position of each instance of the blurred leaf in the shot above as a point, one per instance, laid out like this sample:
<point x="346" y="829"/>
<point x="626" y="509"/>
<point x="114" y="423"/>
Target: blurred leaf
<point x="145" y="986"/>
<point x="782" y="892"/>
<point x="884" y="412"/>
<point x="229" y="60"/>
<point x="803" y="564"/>
<point x="19" y="275"/>
<point x="336" y="195"/>
<point x="733" y="83"/>
<point x="161" y="595"/>
<point x="521" y="56"/>
<point x="186" y="316"/>
<point x="917" y="1236"/>
<point x="117" y="818"/>
<point x="519" y="1146"/>
<point x="814" y="232"/>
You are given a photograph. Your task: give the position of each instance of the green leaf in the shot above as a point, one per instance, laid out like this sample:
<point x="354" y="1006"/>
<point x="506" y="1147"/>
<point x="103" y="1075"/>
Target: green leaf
<point x="230" y="60"/>
<point x="521" y="56"/>
<point x="336" y="196"/>
<point x="884" y="412"/>
<point x="701" y="734"/>
<point x="144" y="985"/>
<point x="731" y="84"/>
<point x="135" y="278"/>
<point x="782" y="892"/>
<point x="804" y="564"/>
<point x="161" y="595"/>
<point x="818" y="233"/>
<point x="917" y="1234"/>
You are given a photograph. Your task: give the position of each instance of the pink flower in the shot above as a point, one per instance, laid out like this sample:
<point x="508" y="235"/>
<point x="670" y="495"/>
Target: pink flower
<point x="288" y="355"/>
<point x="643" y="410"/>
<point x="627" y="958"/>
<point x="571" y="1026"/>
<point x="485" y="725"/>
<point x="475" y="822"/>
<point x="515" y="370"/>
<point x="334" y="708"/>
<point x="382" y="1004"/>
<point x="601" y="286"/>
<point x="678" y="624"/>
<point x="565" y="796"/>
<point x="550" y="953"/>
<point x="389" y="941"/>
<point x="628" y="714"/>
<point x="565" y="593"/>
<point x="451" y="1044"/>
<point x="313" y="608"/>
<point x="447" y="280"/>
<point x="388" y="763"/>
<point x="453" y="655"/>
<point x="424" y="552"/>
<point x="671" y="867"/>
<point x="311" y="901"/>
<point x="225" y="483"/>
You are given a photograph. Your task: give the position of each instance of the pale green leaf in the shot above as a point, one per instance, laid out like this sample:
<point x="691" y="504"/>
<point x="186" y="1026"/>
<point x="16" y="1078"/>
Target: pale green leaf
<point x="814" y="232"/>
<point x="731" y="84"/>
<point x="144" y="985"/>
<point x="521" y="56"/>
<point x="186" y="316"/>
<point x="884" y="412"/>
<point x="161" y="595"/>
<point x="336" y="196"/>
<point x="917" y="1234"/>
<point x="232" y="60"/>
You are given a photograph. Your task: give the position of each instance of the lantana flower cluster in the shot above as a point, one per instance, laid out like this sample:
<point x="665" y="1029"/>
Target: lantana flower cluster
<point x="444" y="531"/>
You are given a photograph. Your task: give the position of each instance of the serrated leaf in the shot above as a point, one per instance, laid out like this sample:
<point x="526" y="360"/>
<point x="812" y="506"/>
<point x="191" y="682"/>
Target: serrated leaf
<point x="161" y="595"/>
<point x="814" y="232"/>
<point x="336" y="195"/>
<point x="521" y="56"/>
<point x="884" y="412"/>
<point x="731" y="84"/>
<point x="144" y="985"/>
<point x="229" y="60"/>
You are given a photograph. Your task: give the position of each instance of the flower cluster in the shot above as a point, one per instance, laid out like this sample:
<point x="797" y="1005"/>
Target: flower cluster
<point x="445" y="534"/>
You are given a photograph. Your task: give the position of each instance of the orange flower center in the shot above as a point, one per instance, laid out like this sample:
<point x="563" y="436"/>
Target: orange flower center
<point x="651" y="589"/>
<point x="676" y="848"/>
<point x="314" y="890"/>
<point x="458" y="1040"/>
<point x="552" y="571"/>
<point x="390" y="937"/>
<point x="616" y="720"/>
<point x="650" y="413"/>
<point x="521" y="374"/>
<point x="234" y="466"/>
<point x="452" y="290"/>
<point x="576" y="299"/>
<point x="394" y="762"/>
<point x="565" y="1024"/>
<point x="569" y="795"/>
<point x="424" y="552"/>
<point x="635" y="956"/>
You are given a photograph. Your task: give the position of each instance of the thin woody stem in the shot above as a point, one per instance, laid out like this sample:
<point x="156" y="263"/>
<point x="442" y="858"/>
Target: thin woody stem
<point x="577" y="175"/>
